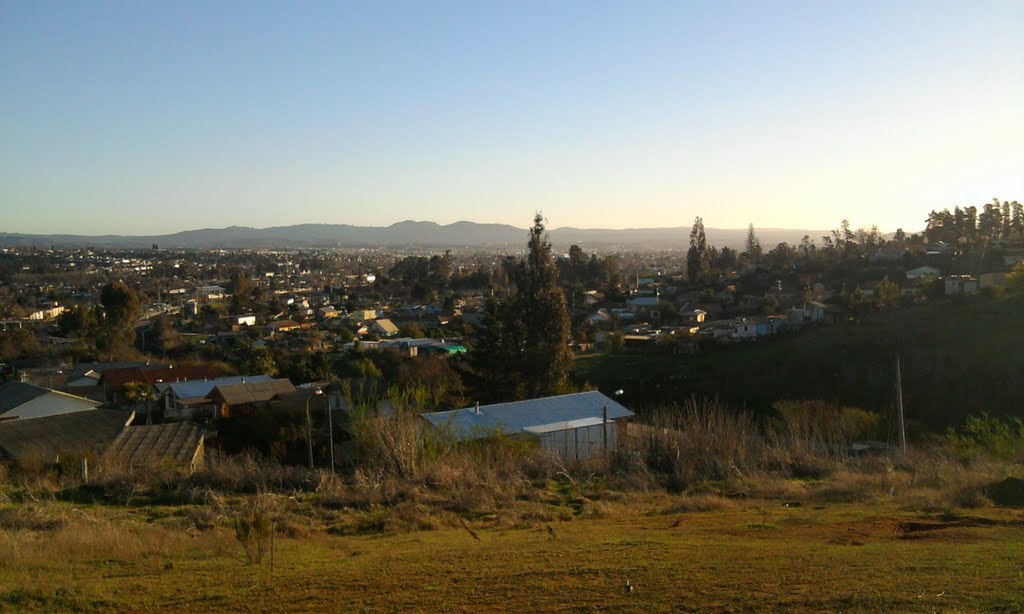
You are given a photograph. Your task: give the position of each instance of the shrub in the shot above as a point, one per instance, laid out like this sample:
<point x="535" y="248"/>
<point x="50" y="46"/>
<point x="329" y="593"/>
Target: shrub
<point x="983" y="434"/>
<point x="254" y="527"/>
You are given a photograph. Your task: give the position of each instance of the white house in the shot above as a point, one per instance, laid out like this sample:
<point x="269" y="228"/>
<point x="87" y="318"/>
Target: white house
<point x="922" y="272"/>
<point x="243" y="320"/>
<point x="960" y="284"/>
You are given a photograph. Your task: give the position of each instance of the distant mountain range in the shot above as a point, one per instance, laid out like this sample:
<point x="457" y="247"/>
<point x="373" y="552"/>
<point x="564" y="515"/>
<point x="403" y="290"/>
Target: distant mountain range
<point x="409" y="234"/>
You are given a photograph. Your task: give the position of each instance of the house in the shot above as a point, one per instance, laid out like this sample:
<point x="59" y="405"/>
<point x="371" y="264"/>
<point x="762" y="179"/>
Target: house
<point x="174" y="444"/>
<point x="23" y="400"/>
<point x="888" y="254"/>
<point x="642" y="303"/>
<point x="281" y="326"/>
<point x="183" y="399"/>
<point x="600" y="316"/>
<point x="623" y="314"/>
<point x="923" y="272"/>
<point x="47" y="313"/>
<point x="89" y="374"/>
<point x="115" y="380"/>
<point x="748" y="329"/>
<point x="242" y="320"/>
<point x="956" y="285"/>
<point x="693" y="316"/>
<point x="210" y="293"/>
<point x="241" y="398"/>
<point x="89" y="379"/>
<point x="384" y="327"/>
<point x="572" y="427"/>
<point x="328" y="312"/>
<point x="811" y="311"/>
<point x="361" y="315"/>
<point x="48" y="438"/>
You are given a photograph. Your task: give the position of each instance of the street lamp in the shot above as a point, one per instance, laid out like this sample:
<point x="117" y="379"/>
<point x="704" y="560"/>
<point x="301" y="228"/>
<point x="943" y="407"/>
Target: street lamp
<point x="309" y="428"/>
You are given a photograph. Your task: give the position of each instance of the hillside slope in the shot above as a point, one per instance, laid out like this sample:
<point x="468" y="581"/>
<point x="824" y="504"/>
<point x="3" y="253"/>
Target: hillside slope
<point x="958" y="357"/>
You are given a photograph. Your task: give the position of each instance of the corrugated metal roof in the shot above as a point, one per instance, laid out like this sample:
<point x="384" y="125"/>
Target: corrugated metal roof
<point x="253" y="392"/>
<point x="48" y="436"/>
<point x="193" y="389"/>
<point x="515" y="417"/>
<point x="176" y="442"/>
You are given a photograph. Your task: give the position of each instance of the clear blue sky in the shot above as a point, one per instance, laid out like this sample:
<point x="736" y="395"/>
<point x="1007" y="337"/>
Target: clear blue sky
<point x="152" y="117"/>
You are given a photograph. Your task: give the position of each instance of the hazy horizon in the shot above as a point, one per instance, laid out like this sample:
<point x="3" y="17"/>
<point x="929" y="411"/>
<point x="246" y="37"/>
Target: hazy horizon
<point x="143" y="119"/>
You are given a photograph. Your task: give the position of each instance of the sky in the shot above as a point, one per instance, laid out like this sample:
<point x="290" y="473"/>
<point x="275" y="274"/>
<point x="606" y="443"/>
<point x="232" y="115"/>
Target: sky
<point x="155" y="117"/>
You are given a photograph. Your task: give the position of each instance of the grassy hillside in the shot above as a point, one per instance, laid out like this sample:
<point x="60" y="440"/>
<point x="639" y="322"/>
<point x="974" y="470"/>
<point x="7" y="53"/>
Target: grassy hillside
<point x="745" y="557"/>
<point x="958" y="357"/>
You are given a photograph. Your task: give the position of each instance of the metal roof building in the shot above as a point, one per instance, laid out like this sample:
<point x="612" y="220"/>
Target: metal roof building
<point x="196" y="389"/>
<point x="570" y="425"/>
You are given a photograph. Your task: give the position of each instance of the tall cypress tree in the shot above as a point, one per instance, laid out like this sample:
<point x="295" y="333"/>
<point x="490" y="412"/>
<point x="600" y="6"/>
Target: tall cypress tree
<point x="540" y="306"/>
<point x="521" y="349"/>
<point x="698" y="257"/>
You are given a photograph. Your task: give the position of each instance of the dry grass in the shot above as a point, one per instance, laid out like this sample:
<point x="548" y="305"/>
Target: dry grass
<point x="701" y="552"/>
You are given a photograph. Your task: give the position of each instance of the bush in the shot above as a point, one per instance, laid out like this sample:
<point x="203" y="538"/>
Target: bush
<point x="985" y="435"/>
<point x="254" y="527"/>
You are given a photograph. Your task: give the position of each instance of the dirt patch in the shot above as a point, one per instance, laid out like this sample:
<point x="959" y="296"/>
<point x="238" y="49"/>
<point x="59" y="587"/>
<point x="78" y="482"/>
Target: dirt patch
<point x="1008" y="492"/>
<point x="942" y="528"/>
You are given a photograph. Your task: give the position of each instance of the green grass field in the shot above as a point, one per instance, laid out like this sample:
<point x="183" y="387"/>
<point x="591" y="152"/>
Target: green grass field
<point x="749" y="556"/>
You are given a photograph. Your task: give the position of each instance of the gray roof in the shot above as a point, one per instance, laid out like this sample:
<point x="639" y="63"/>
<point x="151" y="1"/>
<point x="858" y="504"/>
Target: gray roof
<point x="99" y="367"/>
<point x="196" y="388"/>
<point x="173" y="443"/>
<point x="517" y="417"/>
<point x="253" y="392"/>
<point x="48" y="436"/>
<point x="16" y="394"/>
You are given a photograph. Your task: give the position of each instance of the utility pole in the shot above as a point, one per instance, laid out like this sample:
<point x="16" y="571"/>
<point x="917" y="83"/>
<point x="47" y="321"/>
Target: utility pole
<point x="309" y="429"/>
<point x="309" y="432"/>
<point x="330" y="430"/>
<point x="899" y="405"/>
